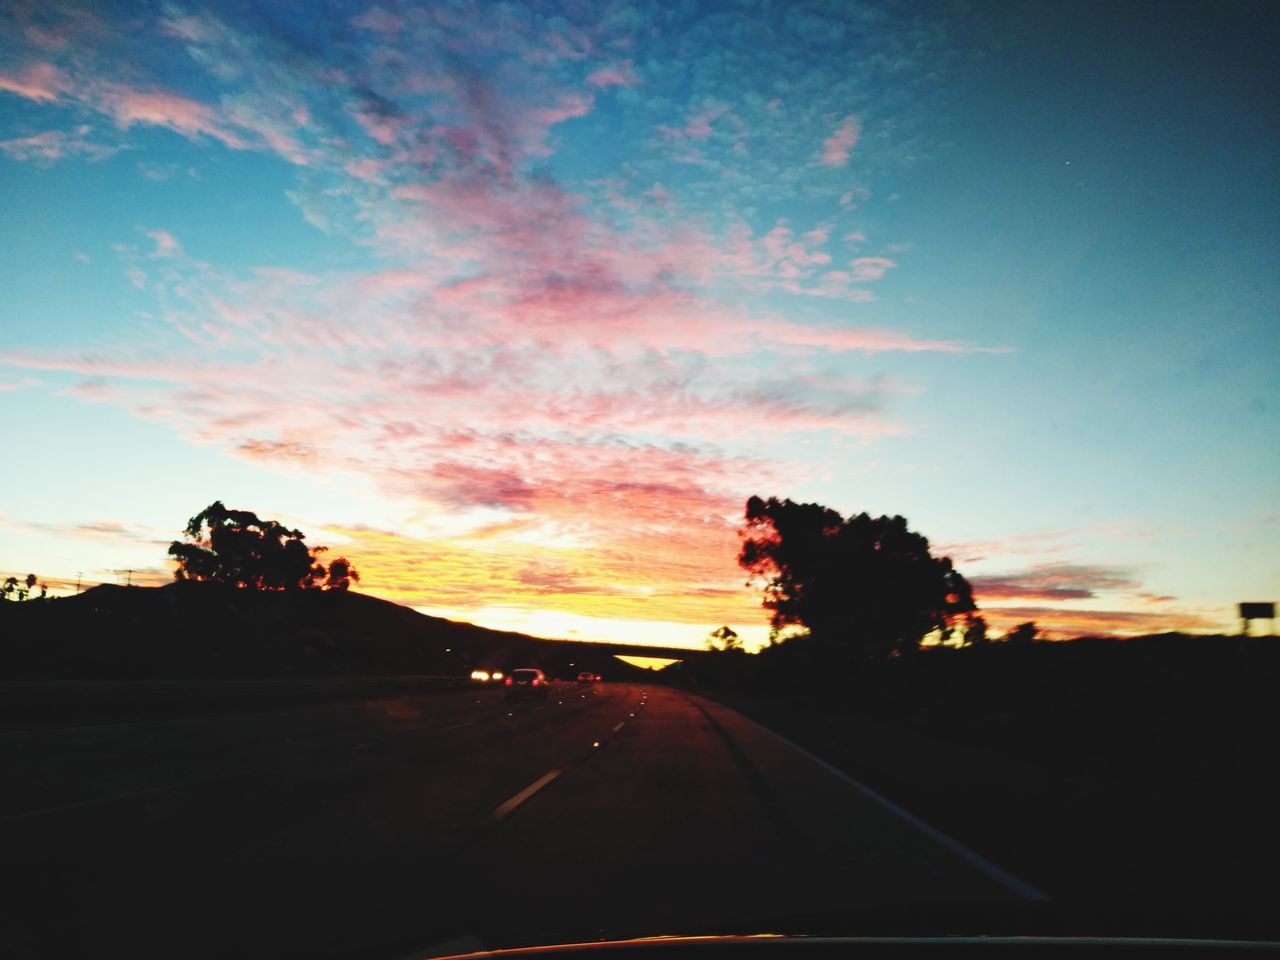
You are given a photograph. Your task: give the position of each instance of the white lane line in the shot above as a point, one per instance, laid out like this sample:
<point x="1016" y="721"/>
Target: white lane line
<point x="455" y="726"/>
<point x="146" y="791"/>
<point x="619" y="726"/>
<point x="1003" y="877"/>
<point x="504" y="810"/>
<point x="360" y="746"/>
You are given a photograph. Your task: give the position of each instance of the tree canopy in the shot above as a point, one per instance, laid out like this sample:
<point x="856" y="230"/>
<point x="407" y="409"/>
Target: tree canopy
<point x="867" y="586"/>
<point x="724" y="639"/>
<point x="238" y="548"/>
<point x="15" y="589"/>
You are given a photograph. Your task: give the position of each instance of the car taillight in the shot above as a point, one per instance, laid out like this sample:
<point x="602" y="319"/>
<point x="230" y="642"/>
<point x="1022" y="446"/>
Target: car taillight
<point x="508" y="681"/>
<point x="536" y="681"/>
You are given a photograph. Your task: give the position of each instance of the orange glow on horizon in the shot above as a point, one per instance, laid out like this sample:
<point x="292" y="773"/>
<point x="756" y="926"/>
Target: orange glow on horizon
<point x="506" y="582"/>
<point x="647" y="584"/>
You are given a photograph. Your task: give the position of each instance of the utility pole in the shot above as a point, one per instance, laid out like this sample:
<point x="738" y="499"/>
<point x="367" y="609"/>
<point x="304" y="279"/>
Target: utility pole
<point x="79" y="574"/>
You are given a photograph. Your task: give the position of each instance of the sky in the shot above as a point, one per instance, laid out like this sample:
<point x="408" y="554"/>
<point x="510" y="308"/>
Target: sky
<point x="514" y="305"/>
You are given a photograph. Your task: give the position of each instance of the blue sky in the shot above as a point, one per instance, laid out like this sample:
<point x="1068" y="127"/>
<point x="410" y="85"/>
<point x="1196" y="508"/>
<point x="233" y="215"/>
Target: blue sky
<point x="516" y="305"/>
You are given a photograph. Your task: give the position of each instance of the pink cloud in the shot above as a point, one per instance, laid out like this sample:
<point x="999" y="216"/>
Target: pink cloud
<point x="367" y="169"/>
<point x="866" y="269"/>
<point x="156" y="108"/>
<point x="836" y="148"/>
<point x="381" y="129"/>
<point x="41" y="82"/>
<point x="276" y="129"/>
<point x="53" y="145"/>
<point x="534" y="128"/>
<point x="276" y="451"/>
<point x="849" y="199"/>
<point x="861" y="340"/>
<point x="1053" y="581"/>
<point x="622" y="75"/>
<point x="698" y="126"/>
<point x="166" y="244"/>
<point x="831" y="284"/>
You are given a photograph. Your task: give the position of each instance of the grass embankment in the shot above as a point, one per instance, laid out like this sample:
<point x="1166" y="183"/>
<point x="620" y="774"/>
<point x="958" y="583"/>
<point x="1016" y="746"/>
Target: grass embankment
<point x="1138" y="778"/>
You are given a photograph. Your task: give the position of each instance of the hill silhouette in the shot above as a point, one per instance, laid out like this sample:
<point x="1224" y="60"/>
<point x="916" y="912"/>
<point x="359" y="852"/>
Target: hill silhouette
<point x="210" y="631"/>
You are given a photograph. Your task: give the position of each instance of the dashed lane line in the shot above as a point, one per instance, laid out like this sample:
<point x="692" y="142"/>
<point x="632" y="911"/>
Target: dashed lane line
<point x="505" y="809"/>
<point x="455" y="726"/>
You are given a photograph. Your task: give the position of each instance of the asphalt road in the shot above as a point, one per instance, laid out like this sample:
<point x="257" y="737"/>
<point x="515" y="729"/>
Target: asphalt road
<point x="386" y="828"/>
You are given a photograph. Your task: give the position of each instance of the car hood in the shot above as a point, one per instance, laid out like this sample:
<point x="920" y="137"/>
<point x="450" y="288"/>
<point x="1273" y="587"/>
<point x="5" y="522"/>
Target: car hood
<point x="780" y="945"/>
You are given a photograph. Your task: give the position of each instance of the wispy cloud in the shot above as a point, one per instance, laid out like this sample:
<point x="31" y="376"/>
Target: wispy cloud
<point x="166" y="244"/>
<point x="836" y="148"/>
<point x="41" y="82"/>
<point x="54" y="145"/>
<point x="622" y="75"/>
<point x="1054" y="581"/>
<point x="128" y="106"/>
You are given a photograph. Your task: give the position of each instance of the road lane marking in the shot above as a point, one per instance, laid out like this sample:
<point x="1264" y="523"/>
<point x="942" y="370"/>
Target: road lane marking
<point x="456" y="726"/>
<point x="504" y="810"/>
<point x="360" y="746"/>
<point x="146" y="791"/>
<point x="1003" y="877"/>
<point x="619" y="726"/>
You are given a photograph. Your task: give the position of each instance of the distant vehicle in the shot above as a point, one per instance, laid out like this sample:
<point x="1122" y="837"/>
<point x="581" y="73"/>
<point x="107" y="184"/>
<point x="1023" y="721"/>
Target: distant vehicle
<point x="585" y="678"/>
<point x="527" y="682"/>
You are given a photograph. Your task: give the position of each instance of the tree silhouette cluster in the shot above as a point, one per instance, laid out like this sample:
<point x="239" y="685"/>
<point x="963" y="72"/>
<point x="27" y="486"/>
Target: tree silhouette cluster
<point x="237" y="548"/>
<point x="724" y="640"/>
<point x="15" y="589"/>
<point x="864" y="588"/>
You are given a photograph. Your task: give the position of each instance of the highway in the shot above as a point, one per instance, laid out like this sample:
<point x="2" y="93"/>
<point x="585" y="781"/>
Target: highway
<point x="406" y="826"/>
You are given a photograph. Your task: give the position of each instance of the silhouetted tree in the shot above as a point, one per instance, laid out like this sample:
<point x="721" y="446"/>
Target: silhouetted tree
<point x="863" y="587"/>
<point x="1022" y="633"/>
<point x="18" y="590"/>
<point x="975" y="634"/>
<point x="237" y="547"/>
<point x="724" y="639"/>
<point x="341" y="573"/>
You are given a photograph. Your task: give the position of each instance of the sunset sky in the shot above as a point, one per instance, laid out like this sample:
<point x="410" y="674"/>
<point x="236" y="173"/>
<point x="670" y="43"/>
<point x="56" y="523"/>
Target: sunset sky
<point x="515" y="305"/>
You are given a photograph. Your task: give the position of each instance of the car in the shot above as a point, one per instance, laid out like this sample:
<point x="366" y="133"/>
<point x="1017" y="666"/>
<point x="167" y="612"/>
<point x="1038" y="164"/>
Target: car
<point x="586" y="679"/>
<point x="527" y="682"/>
